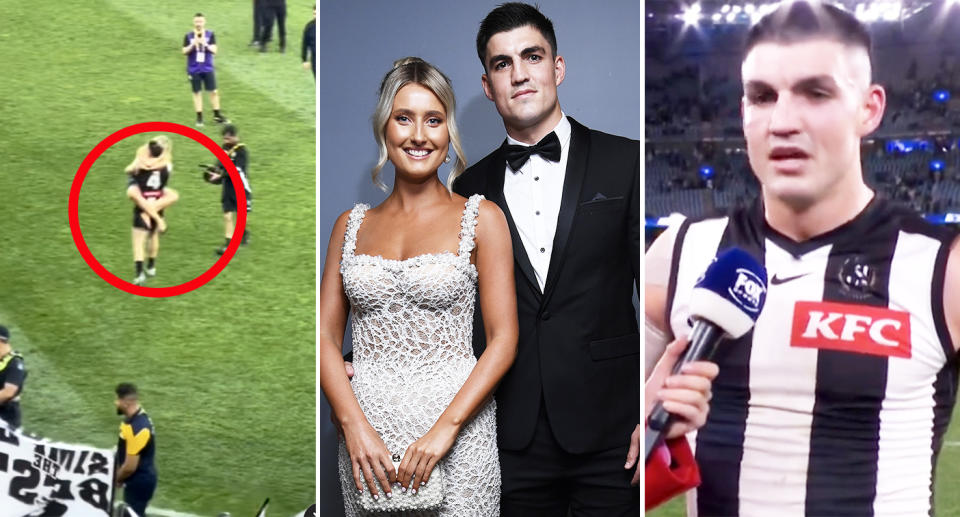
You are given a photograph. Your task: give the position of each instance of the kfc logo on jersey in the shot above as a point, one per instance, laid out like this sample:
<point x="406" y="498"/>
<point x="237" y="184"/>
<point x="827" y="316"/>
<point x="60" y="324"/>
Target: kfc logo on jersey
<point x="851" y="328"/>
<point x="748" y="290"/>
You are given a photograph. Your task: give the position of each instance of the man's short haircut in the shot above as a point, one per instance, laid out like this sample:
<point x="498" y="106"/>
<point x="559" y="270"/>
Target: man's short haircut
<point x="229" y="129"/>
<point x="126" y="389"/>
<point x="200" y="15"/>
<point x="803" y="20"/>
<point x="509" y="16"/>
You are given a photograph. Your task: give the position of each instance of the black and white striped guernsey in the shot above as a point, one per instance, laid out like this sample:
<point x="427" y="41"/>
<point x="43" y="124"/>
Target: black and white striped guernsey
<point x="837" y="402"/>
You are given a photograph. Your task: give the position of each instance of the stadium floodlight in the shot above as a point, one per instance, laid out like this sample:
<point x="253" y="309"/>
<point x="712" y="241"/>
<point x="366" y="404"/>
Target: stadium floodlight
<point x="892" y="11"/>
<point x="717" y="17"/>
<point x="725" y="9"/>
<point x="691" y="15"/>
<point x="731" y="16"/>
<point x="761" y="11"/>
<point x="872" y="13"/>
<point x="736" y="9"/>
<point x="749" y="8"/>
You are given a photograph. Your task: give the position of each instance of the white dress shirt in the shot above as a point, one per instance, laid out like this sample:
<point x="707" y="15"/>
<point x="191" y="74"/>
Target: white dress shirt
<point x="533" y="195"/>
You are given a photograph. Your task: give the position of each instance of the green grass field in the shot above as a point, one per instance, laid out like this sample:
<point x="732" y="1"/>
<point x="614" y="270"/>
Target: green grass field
<point x="227" y="371"/>
<point x="947" y="501"/>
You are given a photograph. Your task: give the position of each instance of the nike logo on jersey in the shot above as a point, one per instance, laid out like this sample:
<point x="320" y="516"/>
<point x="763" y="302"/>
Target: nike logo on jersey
<point x="777" y="280"/>
<point x="851" y="328"/>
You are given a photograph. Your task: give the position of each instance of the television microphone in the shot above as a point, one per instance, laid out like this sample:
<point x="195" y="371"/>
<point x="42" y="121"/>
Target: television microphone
<point x="725" y="304"/>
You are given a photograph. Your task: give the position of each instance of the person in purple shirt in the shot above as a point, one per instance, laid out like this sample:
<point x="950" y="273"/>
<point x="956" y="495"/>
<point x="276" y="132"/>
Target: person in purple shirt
<point x="200" y="45"/>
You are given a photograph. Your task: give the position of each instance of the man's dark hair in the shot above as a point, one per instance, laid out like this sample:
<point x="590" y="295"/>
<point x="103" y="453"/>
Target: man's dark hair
<point x="126" y="389"/>
<point x="229" y="129"/>
<point x="199" y="14"/>
<point x="803" y="20"/>
<point x="509" y="16"/>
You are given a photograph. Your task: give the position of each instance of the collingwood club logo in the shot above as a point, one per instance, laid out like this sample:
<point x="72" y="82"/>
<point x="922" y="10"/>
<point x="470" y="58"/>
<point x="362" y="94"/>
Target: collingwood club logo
<point x="857" y="277"/>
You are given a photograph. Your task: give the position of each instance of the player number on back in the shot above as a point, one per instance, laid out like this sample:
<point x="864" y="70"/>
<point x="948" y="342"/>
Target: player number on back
<point x="154" y="181"/>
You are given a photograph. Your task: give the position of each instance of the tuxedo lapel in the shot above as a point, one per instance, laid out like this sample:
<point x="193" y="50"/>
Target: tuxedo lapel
<point x="572" y="184"/>
<point x="494" y="193"/>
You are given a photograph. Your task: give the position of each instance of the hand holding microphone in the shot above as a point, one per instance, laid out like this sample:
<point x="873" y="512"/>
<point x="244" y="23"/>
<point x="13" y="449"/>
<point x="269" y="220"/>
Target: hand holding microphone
<point x="725" y="303"/>
<point x="685" y="394"/>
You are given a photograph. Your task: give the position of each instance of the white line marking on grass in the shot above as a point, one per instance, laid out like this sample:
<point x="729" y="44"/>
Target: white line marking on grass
<point x="952" y="444"/>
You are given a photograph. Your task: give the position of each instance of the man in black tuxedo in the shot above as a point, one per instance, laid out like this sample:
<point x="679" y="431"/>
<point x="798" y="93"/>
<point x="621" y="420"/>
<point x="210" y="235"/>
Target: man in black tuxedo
<point x="568" y="411"/>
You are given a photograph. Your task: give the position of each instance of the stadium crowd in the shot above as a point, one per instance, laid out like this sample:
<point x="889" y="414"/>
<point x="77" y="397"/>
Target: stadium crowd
<point x="696" y="156"/>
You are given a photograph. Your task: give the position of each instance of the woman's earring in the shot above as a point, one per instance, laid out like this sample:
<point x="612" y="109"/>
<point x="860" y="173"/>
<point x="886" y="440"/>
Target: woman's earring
<point x="447" y="159"/>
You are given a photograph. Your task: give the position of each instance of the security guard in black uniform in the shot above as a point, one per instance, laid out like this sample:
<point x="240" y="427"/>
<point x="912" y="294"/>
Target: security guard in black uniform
<point x="12" y="375"/>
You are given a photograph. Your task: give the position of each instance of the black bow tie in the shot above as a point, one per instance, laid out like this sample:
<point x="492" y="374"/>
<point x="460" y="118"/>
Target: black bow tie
<point x="548" y="147"/>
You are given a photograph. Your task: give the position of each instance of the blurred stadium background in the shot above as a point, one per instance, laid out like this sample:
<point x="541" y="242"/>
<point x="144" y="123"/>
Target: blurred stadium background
<point x="226" y="372"/>
<point x="695" y="155"/>
<point x="696" y="163"/>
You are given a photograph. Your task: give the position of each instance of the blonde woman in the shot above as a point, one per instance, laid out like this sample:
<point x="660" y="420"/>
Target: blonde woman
<point x="148" y="174"/>
<point x="408" y="271"/>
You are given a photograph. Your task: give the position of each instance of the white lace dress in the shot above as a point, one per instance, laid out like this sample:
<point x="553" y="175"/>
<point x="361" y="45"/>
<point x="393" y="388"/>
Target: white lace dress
<point x="412" y="351"/>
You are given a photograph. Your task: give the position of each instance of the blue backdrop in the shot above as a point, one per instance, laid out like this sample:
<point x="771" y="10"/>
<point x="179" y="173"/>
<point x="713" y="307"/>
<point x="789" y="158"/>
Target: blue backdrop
<point x="358" y="42"/>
